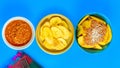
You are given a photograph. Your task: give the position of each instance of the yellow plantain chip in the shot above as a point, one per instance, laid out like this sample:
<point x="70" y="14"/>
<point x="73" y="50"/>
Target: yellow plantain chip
<point x="86" y="24"/>
<point x="55" y="20"/>
<point x="97" y="46"/>
<point x="66" y="32"/>
<point x="61" y="40"/>
<point x="57" y="33"/>
<point x="82" y="44"/>
<point x="47" y="33"/>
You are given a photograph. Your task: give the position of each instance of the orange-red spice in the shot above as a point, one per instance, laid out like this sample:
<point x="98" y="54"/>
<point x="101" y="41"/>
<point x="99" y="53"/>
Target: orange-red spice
<point x="18" y="33"/>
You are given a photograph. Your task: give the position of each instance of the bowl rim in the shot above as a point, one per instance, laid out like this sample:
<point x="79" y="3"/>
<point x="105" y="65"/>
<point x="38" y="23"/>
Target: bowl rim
<point x="27" y="44"/>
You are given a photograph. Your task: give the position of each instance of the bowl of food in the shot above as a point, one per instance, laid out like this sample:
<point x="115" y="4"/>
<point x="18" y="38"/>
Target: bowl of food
<point x="94" y="32"/>
<point x="18" y="33"/>
<point x="55" y="34"/>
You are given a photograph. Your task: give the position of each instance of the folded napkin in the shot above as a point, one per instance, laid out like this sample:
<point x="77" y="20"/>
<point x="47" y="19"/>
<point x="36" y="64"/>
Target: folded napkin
<point x="22" y="60"/>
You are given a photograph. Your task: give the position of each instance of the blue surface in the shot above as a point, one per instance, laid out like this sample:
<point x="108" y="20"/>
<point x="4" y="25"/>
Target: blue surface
<point x="75" y="57"/>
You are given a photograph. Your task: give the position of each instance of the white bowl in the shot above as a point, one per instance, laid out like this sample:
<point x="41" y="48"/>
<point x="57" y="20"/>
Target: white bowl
<point x="27" y="44"/>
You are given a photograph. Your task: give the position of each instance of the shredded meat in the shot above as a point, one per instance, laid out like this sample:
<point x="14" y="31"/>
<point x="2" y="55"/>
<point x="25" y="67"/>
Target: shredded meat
<point x="95" y="33"/>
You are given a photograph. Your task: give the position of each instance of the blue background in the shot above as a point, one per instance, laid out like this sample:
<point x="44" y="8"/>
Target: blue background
<point x="75" y="57"/>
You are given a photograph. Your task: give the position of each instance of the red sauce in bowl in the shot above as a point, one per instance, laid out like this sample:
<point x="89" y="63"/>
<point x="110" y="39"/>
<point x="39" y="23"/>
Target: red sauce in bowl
<point x="18" y="33"/>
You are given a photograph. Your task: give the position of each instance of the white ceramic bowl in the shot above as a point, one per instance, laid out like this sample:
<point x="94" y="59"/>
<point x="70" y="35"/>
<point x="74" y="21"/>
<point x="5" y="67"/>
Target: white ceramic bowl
<point x="27" y="44"/>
